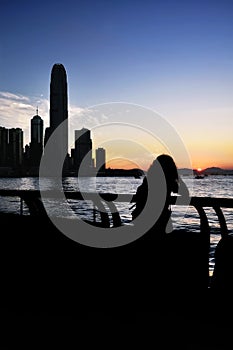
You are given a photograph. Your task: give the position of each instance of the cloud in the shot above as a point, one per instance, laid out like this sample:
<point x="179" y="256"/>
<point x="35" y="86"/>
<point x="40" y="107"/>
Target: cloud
<point x="10" y="96"/>
<point x="84" y="118"/>
<point x="17" y="110"/>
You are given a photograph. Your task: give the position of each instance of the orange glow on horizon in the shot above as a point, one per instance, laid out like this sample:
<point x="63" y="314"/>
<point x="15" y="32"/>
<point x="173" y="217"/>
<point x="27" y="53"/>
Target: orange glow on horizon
<point x="121" y="163"/>
<point x="127" y="164"/>
<point x="207" y="153"/>
<point x="208" y="164"/>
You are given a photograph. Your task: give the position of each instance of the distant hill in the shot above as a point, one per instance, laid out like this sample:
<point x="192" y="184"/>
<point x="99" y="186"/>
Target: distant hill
<point x="207" y="171"/>
<point x="217" y="171"/>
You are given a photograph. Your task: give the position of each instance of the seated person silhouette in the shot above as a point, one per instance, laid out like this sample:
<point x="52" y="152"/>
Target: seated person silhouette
<point x="170" y="258"/>
<point x="177" y="258"/>
<point x="155" y="192"/>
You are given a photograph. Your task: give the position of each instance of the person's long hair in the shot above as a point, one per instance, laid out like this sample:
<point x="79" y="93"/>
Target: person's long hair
<point x="169" y="168"/>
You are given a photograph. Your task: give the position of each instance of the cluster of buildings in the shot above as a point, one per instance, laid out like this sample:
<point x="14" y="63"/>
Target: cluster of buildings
<point x="11" y="148"/>
<point x="17" y="160"/>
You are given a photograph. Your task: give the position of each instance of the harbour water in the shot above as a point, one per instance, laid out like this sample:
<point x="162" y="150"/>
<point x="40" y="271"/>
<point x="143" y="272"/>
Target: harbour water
<point x="183" y="218"/>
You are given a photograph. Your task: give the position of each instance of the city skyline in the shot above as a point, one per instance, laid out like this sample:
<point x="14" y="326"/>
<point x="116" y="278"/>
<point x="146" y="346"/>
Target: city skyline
<point x="96" y="157"/>
<point x="174" y="58"/>
<point x="17" y="158"/>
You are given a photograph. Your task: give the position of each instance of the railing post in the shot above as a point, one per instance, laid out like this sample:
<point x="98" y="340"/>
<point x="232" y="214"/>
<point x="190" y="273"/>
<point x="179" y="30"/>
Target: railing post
<point x="222" y="221"/>
<point x="205" y="233"/>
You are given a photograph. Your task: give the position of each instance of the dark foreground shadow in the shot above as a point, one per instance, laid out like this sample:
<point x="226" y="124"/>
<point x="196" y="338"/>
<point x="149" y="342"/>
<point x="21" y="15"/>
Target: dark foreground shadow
<point x="147" y="283"/>
<point x="41" y="266"/>
<point x="222" y="281"/>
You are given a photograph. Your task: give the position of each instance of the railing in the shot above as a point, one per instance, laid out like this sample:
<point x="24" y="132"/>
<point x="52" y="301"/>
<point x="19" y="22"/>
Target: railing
<point x="101" y="201"/>
<point x="32" y="199"/>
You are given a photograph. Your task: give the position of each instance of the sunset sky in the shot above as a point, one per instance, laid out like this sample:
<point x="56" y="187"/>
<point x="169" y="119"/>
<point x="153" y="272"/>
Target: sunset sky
<point x="172" y="57"/>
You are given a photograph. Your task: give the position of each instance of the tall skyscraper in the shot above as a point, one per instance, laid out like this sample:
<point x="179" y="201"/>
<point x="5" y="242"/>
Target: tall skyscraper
<point x="15" y="147"/>
<point x="3" y="146"/>
<point x="58" y="106"/>
<point x="83" y="151"/>
<point x="36" y="145"/>
<point x="100" y="157"/>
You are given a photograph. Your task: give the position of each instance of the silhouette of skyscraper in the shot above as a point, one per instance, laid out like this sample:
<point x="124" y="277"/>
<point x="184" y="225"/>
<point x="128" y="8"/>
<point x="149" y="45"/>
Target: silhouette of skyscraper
<point x="11" y="147"/>
<point x="15" y="147"/>
<point x="36" y="146"/>
<point x="3" y="146"/>
<point x="58" y="106"/>
<point x="83" y="151"/>
<point x="100" y="157"/>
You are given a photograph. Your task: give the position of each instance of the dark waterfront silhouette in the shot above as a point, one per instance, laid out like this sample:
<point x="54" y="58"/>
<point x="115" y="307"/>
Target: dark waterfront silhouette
<point x="164" y="274"/>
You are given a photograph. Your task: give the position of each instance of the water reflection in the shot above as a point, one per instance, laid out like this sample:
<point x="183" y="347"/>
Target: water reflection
<point x="213" y="186"/>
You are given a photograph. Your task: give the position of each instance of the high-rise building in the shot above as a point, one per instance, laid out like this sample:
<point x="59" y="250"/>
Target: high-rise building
<point x="100" y="157"/>
<point x="58" y="107"/>
<point x="15" y="147"/>
<point x="36" y="145"/>
<point x="11" y="147"/>
<point x="83" y="151"/>
<point x="26" y="157"/>
<point x="3" y="146"/>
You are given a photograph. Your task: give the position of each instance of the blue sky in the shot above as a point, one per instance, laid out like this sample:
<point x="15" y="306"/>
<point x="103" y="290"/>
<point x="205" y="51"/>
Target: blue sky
<point x="172" y="56"/>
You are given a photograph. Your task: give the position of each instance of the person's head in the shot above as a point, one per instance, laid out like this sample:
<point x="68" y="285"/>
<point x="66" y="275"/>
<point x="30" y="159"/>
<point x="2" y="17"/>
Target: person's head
<point x="169" y="169"/>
